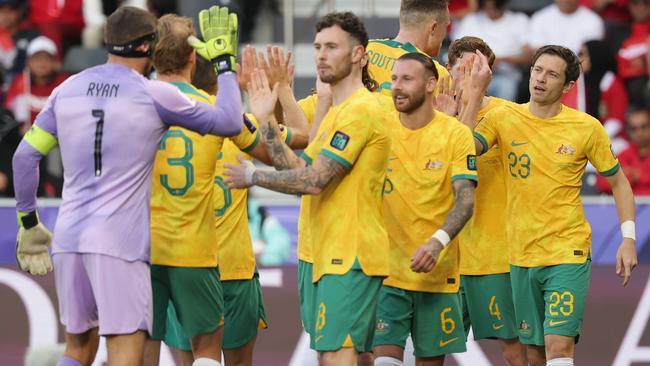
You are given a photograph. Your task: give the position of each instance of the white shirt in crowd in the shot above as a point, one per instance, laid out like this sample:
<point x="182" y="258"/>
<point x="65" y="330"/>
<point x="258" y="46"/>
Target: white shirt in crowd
<point x="550" y="26"/>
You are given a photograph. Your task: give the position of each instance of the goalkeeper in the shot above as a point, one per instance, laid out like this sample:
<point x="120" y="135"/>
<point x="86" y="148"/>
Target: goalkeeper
<point x="109" y="121"/>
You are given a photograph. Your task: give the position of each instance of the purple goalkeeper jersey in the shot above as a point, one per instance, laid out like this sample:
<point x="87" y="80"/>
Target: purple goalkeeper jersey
<point x="108" y="121"/>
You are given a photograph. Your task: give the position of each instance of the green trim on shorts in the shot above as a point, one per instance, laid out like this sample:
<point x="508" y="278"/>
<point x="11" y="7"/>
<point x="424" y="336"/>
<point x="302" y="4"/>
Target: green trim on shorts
<point x="345" y="313"/>
<point x="434" y="321"/>
<point x="197" y="297"/>
<point x="488" y="306"/>
<point x="549" y="300"/>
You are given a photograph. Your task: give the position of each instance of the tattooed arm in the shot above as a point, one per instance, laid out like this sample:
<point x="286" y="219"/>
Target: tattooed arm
<point x="281" y="155"/>
<point x="310" y="179"/>
<point x="426" y="256"/>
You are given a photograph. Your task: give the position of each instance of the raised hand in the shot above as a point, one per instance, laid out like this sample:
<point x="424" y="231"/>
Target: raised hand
<point x="446" y="102"/>
<point x="277" y="66"/>
<point x="219" y="30"/>
<point x="261" y="98"/>
<point x="249" y="63"/>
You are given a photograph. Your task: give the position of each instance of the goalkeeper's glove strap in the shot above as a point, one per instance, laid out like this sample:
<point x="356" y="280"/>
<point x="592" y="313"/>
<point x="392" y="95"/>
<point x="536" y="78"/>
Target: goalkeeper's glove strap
<point x="29" y="220"/>
<point x="224" y="63"/>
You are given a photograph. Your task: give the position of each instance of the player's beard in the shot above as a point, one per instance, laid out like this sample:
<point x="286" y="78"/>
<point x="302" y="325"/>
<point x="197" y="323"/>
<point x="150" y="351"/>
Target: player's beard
<point x="415" y="101"/>
<point x="339" y="74"/>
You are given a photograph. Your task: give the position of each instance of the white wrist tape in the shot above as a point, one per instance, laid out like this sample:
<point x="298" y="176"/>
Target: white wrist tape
<point x="442" y="237"/>
<point x="248" y="173"/>
<point x="628" y="229"/>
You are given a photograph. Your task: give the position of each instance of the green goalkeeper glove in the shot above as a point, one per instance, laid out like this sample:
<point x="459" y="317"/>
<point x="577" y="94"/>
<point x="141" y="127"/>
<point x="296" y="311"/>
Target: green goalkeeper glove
<point x="219" y="30"/>
<point x="32" y="245"/>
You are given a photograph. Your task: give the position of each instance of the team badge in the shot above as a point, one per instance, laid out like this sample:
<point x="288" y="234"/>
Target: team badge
<point x="339" y="140"/>
<point x="566" y="150"/>
<point x="471" y="162"/>
<point x="433" y="165"/>
<point x="524" y="328"/>
<point x="382" y="327"/>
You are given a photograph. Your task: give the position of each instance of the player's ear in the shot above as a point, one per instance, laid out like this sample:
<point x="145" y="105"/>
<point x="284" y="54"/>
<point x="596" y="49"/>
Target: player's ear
<point x="358" y="53"/>
<point x="568" y="87"/>
<point x="431" y="85"/>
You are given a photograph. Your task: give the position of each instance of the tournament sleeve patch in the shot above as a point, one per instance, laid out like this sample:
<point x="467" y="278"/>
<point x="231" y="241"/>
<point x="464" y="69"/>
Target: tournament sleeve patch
<point x="249" y="125"/>
<point x="471" y="162"/>
<point x="339" y="141"/>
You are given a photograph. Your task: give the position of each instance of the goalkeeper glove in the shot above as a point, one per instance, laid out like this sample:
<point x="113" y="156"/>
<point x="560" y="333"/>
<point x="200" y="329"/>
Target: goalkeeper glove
<point x="32" y="245"/>
<point x="219" y="30"/>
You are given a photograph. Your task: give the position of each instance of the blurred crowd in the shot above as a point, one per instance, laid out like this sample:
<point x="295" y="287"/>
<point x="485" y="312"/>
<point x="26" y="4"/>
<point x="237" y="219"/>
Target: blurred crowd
<point x="610" y="36"/>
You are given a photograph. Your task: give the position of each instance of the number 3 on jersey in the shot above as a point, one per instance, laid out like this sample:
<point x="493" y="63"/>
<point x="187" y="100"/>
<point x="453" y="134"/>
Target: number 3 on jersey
<point x="183" y="161"/>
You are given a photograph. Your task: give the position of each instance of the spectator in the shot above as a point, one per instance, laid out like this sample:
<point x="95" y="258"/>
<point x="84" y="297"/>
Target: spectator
<point x="565" y="23"/>
<point x="26" y="97"/>
<point x="271" y="241"/>
<point x="632" y="64"/>
<point x="29" y="91"/>
<point x="635" y="160"/>
<point x="506" y="33"/>
<point x="62" y="21"/>
<point x="616" y="17"/>
<point x="606" y="98"/>
<point x="15" y="35"/>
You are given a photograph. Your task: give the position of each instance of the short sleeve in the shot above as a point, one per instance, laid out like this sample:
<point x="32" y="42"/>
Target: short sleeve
<point x="487" y="131"/>
<point x="249" y="136"/>
<point x="348" y="136"/>
<point x="463" y="164"/>
<point x="308" y="106"/>
<point x="600" y="153"/>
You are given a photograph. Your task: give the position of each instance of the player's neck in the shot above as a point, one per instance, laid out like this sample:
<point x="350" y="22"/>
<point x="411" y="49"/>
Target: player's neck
<point x="406" y="35"/>
<point x="138" y="64"/>
<point x="181" y="77"/>
<point x="345" y="87"/>
<point x="545" y="110"/>
<point x="419" y="117"/>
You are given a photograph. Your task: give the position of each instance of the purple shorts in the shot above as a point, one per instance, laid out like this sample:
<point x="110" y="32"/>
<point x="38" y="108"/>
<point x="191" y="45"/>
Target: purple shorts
<point x="100" y="290"/>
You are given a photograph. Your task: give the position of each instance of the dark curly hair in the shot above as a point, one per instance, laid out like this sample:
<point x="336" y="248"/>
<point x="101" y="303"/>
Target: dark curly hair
<point x="352" y="25"/>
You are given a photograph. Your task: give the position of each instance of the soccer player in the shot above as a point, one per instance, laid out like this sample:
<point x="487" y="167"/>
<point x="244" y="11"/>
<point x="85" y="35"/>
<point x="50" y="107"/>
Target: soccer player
<point x="422" y="28"/>
<point x="108" y="121"/>
<point x="224" y="243"/>
<point x="343" y="169"/>
<point x="429" y="186"/>
<point x="184" y="251"/>
<point x="546" y="146"/>
<point x="485" y="289"/>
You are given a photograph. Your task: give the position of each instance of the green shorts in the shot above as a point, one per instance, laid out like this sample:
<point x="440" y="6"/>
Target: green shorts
<point x="245" y="312"/>
<point x="549" y="300"/>
<point x="307" y="295"/>
<point x="433" y="320"/>
<point x="244" y="315"/>
<point x="174" y="335"/>
<point x="487" y="306"/>
<point x="345" y="315"/>
<point x="197" y="297"/>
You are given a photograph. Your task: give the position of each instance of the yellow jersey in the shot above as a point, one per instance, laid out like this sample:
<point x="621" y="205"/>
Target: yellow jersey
<point x="483" y="242"/>
<point x="544" y="161"/>
<point x="382" y="54"/>
<point x="345" y="219"/>
<point x="308" y="106"/>
<point x="418" y="195"/>
<point x="236" y="258"/>
<point x="182" y="209"/>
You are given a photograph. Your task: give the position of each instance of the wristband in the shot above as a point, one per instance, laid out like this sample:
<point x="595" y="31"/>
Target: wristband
<point x="442" y="237"/>
<point x="223" y="63"/>
<point x="628" y="229"/>
<point x="27" y="220"/>
<point x="248" y="173"/>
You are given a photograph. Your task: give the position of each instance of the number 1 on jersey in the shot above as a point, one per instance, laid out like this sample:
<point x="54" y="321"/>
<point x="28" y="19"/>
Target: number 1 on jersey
<point x="99" y="130"/>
